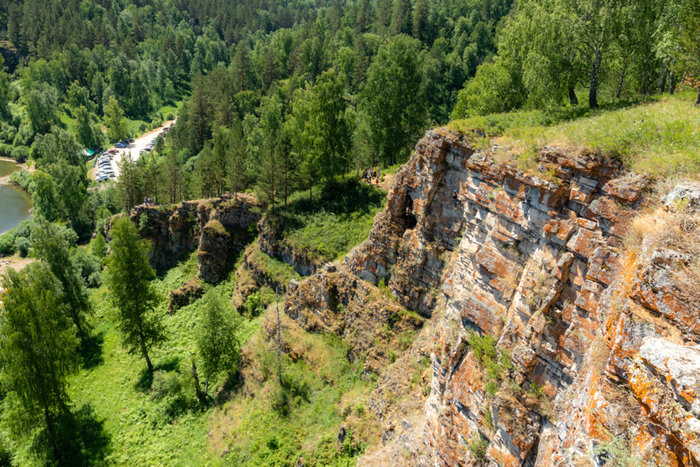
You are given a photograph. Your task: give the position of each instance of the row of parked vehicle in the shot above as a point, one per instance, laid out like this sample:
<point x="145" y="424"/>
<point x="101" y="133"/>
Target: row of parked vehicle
<point x="123" y="144"/>
<point x="152" y="144"/>
<point x="104" y="166"/>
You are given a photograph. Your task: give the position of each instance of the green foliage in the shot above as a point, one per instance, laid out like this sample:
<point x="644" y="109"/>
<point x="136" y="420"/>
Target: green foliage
<point x="655" y="137"/>
<point x="129" y="280"/>
<point x="217" y="342"/>
<point x="393" y="98"/>
<point x="617" y="454"/>
<point x="329" y="226"/>
<point x="38" y="352"/>
<point x="53" y="248"/>
<point x="22" y="244"/>
<point x="88" y="266"/>
<point x="99" y="246"/>
<point x="115" y="121"/>
<point x="494" y="364"/>
<point x="478" y="446"/>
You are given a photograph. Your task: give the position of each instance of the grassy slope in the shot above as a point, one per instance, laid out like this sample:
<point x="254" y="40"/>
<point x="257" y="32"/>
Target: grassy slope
<point x="338" y="218"/>
<point x="658" y="137"/>
<point x="250" y="424"/>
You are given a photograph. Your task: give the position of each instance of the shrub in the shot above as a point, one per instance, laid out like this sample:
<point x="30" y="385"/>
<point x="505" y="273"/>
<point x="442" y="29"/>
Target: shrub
<point x="23" y="179"/>
<point x="20" y="153"/>
<point x="23" y="244"/>
<point x="143" y="127"/>
<point x="170" y="116"/>
<point x="89" y="267"/>
<point x="494" y="365"/>
<point x="478" y="446"/>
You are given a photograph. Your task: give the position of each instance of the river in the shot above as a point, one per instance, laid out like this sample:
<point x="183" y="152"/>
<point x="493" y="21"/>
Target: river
<point x="15" y="204"/>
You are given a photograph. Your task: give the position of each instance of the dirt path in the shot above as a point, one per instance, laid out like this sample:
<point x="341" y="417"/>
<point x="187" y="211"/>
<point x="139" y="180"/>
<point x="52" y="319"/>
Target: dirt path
<point x="13" y="262"/>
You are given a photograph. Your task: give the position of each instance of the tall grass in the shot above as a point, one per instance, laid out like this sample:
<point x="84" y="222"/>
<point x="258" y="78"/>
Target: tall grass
<point x="329" y="225"/>
<point x="659" y="137"/>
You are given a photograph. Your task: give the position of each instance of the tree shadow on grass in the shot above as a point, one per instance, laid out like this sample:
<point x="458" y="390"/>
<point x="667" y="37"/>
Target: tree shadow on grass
<point x="145" y="380"/>
<point x="232" y="385"/>
<point x="91" y="350"/>
<point x="80" y="440"/>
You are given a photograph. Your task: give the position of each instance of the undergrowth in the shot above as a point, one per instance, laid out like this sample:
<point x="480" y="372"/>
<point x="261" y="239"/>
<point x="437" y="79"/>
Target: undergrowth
<point x="337" y="219"/>
<point x="138" y="418"/>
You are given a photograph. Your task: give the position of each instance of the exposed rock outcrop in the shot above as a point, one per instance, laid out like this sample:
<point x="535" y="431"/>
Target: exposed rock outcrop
<point x="216" y="228"/>
<point x="583" y="329"/>
<point x="185" y="295"/>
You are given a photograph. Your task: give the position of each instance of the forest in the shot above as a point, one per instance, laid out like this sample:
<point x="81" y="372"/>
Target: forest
<point x="286" y="99"/>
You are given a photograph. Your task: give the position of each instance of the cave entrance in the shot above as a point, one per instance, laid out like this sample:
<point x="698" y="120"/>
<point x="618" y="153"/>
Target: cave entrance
<point x="409" y="219"/>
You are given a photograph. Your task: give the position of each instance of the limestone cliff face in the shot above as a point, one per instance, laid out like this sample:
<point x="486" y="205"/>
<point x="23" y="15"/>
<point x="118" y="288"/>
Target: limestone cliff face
<point x="215" y="228"/>
<point x="593" y="343"/>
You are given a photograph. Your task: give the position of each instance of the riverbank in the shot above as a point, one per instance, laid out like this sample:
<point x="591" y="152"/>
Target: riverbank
<point x="5" y="180"/>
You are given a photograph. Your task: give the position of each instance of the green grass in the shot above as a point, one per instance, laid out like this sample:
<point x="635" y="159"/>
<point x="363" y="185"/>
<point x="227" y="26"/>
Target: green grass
<point x="658" y="137"/>
<point x="339" y="218"/>
<point x="129" y="418"/>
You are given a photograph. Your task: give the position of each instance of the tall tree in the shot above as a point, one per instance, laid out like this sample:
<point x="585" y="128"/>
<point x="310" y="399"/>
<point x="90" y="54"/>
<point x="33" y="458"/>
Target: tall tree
<point x="38" y="349"/>
<point x="217" y="342"/>
<point x="53" y="248"/>
<point x="264" y="137"/>
<point x="324" y="126"/>
<point x="42" y="108"/>
<point x="132" y="293"/>
<point x="87" y="133"/>
<point x="393" y="97"/>
<point x="117" y="126"/>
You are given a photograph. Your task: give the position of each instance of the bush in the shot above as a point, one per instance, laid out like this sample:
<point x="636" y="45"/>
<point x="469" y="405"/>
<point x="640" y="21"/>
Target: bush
<point x="253" y="305"/>
<point x="495" y="365"/>
<point x="24" y="180"/>
<point x="89" y="267"/>
<point x="23" y="244"/>
<point x="20" y="153"/>
<point x="478" y="446"/>
<point x="170" y="116"/>
<point x="7" y="242"/>
<point x="143" y="127"/>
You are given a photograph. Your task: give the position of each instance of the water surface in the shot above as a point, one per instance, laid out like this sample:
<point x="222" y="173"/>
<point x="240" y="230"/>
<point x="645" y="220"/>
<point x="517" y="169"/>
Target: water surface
<point x="15" y="204"/>
<point x="6" y="168"/>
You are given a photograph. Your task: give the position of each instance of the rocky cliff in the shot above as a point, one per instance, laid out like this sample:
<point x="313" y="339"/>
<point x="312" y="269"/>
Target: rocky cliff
<point x="216" y="228"/>
<point x="591" y="356"/>
<point x="549" y="317"/>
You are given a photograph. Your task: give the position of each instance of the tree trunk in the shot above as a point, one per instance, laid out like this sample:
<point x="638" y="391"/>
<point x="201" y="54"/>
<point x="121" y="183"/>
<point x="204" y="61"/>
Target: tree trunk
<point x="593" y="91"/>
<point x="622" y="79"/>
<point x="195" y="375"/>
<point x="662" y="78"/>
<point x="279" y="343"/>
<point x="52" y="433"/>
<point x="697" y="99"/>
<point x="572" y="96"/>
<point x="144" y="351"/>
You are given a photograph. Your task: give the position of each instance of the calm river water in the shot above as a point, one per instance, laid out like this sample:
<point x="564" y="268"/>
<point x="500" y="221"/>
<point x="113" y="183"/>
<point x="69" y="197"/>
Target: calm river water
<point x="15" y="204"/>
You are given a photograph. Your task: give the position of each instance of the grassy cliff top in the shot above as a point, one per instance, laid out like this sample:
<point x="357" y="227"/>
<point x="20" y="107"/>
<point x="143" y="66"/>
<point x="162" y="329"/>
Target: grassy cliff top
<point x="659" y="136"/>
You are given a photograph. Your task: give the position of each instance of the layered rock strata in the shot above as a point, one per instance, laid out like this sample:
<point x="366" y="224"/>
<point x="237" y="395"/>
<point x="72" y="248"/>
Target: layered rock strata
<point x="586" y="334"/>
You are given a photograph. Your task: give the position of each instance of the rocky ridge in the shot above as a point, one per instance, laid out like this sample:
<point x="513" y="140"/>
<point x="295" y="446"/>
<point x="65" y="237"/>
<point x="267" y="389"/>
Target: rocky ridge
<point x="215" y="228"/>
<point x="594" y="352"/>
<point x="595" y="343"/>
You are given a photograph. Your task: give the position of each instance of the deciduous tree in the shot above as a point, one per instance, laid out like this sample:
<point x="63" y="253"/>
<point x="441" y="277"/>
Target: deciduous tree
<point x="132" y="293"/>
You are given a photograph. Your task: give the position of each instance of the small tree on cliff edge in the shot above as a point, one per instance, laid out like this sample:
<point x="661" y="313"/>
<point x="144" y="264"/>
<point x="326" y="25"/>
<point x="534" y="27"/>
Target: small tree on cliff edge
<point x="132" y="293"/>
